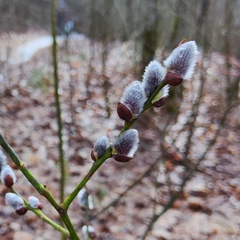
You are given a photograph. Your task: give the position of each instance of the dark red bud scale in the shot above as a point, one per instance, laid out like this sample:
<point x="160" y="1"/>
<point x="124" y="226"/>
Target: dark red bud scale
<point x="123" y="112"/>
<point x="160" y="102"/>
<point x="182" y="42"/>
<point x="173" y="79"/>
<point x="121" y="158"/>
<point x="93" y="156"/>
<point x="40" y="206"/>
<point x="8" y="181"/>
<point x="21" y="211"/>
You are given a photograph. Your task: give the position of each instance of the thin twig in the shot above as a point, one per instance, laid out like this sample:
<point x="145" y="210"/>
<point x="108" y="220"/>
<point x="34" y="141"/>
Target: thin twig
<point x="192" y="119"/>
<point x="40" y="214"/>
<point x="135" y="183"/>
<point x="42" y="189"/>
<point x="64" y="216"/>
<point x="57" y="102"/>
<point x="66" y="203"/>
<point x="175" y="196"/>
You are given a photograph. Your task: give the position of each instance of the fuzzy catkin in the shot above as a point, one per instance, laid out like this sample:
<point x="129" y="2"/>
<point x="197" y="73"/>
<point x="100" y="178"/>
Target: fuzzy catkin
<point x="127" y="143"/>
<point x="182" y="60"/>
<point x="152" y="77"/>
<point x="134" y="97"/>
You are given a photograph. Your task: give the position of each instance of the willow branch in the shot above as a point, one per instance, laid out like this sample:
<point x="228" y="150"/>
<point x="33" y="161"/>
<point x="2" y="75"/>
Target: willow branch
<point x="40" y="214"/>
<point x="65" y="204"/>
<point x="96" y="165"/>
<point x="46" y="219"/>
<point x="42" y="189"/>
<point x="38" y="186"/>
<point x="57" y="102"/>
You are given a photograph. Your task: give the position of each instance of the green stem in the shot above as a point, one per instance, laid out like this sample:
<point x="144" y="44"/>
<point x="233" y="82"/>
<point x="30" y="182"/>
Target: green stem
<point x="21" y="166"/>
<point x="57" y="102"/>
<point x="70" y="227"/>
<point x="108" y="152"/>
<point x="146" y="106"/>
<point x="40" y="214"/>
<point x="148" y="103"/>
<point x="87" y="177"/>
<point x="39" y="187"/>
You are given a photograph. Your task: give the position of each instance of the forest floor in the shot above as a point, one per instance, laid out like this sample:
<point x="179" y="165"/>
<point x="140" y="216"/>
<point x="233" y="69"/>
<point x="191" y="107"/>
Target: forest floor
<point x="209" y="206"/>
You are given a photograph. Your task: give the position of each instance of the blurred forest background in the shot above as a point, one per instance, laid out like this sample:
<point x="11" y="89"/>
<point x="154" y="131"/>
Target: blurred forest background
<point x="184" y="182"/>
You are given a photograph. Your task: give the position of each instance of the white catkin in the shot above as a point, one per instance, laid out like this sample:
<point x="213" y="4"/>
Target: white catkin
<point x="33" y="201"/>
<point x="7" y="170"/>
<point x="14" y="201"/>
<point x="82" y="197"/>
<point x="101" y="145"/>
<point x="86" y="230"/>
<point x="127" y="143"/>
<point x="134" y="97"/>
<point x="90" y="202"/>
<point x="152" y="77"/>
<point x="165" y="91"/>
<point x="183" y="59"/>
<point x="3" y="160"/>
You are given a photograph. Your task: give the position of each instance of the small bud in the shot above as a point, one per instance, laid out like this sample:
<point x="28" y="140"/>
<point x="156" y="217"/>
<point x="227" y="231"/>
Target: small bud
<point x="182" y="60"/>
<point x="160" y="102"/>
<point x="85" y="200"/>
<point x="3" y="160"/>
<point x="7" y="176"/>
<point x="90" y="202"/>
<point x="132" y="101"/>
<point x="173" y="79"/>
<point x="152" y="77"/>
<point x="93" y="157"/>
<point x="121" y="158"/>
<point x="125" y="145"/>
<point x="123" y="112"/>
<point x="99" y="148"/>
<point x="34" y="202"/>
<point x="16" y="202"/>
<point x="88" y="231"/>
<point x="82" y="198"/>
<point x="182" y="42"/>
<point x="21" y="211"/>
<point x="161" y="97"/>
